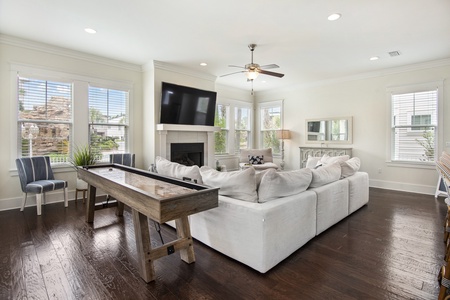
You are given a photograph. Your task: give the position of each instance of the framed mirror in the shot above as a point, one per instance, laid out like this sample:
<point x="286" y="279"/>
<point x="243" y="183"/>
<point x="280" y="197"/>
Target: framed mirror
<point x="329" y="130"/>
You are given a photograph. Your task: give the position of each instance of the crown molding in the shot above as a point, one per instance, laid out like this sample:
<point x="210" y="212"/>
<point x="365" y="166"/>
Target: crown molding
<point x="182" y="70"/>
<point x="38" y="46"/>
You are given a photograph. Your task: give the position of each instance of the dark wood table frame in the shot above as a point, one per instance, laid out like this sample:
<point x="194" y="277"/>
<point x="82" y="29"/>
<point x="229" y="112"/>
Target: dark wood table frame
<point x="134" y="190"/>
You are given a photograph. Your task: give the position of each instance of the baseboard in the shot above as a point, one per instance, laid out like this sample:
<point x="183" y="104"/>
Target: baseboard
<point x="54" y="197"/>
<point x="403" y="187"/>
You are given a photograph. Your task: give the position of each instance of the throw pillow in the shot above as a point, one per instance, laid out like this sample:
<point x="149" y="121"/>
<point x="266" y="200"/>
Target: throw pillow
<point x="172" y="169"/>
<point x="328" y="160"/>
<point x="237" y="184"/>
<point x="350" y="167"/>
<point x="325" y="175"/>
<point x="282" y="184"/>
<point x="256" y="159"/>
<point x="312" y="162"/>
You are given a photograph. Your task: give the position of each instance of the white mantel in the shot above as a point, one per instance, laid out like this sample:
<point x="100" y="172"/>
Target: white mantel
<point x="174" y="133"/>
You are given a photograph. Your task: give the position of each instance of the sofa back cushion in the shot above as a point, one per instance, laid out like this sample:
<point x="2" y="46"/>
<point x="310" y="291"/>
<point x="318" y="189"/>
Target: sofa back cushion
<point x="245" y="153"/>
<point x="172" y="169"/>
<point x="350" y="167"/>
<point x="237" y="184"/>
<point x="325" y="174"/>
<point x="282" y="184"/>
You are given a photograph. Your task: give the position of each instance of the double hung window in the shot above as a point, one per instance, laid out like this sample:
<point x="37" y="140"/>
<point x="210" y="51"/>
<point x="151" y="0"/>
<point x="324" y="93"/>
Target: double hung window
<point x="414" y="125"/>
<point x="270" y="123"/>
<point x="221" y="137"/>
<point x="242" y="128"/>
<point x="44" y="118"/>
<point x="108" y="121"/>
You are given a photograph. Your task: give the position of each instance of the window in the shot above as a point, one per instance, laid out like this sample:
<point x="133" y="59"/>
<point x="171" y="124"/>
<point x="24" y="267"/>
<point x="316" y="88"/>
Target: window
<point x="242" y="128"/>
<point x="221" y="137"/>
<point x="414" y="125"/>
<point x="108" y="121"/>
<point x="270" y="117"/>
<point x="44" y="118"/>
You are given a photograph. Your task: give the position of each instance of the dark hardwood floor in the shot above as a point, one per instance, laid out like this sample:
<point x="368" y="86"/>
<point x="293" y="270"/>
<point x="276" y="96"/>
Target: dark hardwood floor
<point x="390" y="249"/>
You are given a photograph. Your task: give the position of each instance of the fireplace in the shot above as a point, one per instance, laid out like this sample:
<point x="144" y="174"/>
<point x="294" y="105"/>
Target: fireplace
<point x="187" y="154"/>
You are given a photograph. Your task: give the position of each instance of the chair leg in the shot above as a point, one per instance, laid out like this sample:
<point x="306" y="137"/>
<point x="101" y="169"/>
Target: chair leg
<point x="66" y="201"/>
<point x="39" y="203"/>
<point x="23" y="201"/>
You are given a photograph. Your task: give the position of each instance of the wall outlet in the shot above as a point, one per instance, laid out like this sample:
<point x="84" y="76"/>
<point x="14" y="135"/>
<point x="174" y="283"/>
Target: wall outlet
<point x="379" y="171"/>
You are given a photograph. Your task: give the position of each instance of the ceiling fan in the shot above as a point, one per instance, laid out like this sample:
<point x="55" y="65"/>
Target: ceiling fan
<point x="252" y="70"/>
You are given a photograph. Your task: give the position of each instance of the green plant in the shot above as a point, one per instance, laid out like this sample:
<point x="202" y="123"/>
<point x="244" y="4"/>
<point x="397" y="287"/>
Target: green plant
<point x="83" y="156"/>
<point x="428" y="145"/>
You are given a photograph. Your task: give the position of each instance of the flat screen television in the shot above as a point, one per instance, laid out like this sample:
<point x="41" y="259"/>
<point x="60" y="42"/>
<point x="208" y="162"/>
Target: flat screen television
<point x="186" y="105"/>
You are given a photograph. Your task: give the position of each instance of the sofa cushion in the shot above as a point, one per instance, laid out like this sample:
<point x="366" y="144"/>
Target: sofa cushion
<point x="350" y="167"/>
<point x="325" y="174"/>
<point x="237" y="184"/>
<point x="172" y="169"/>
<point x="328" y="160"/>
<point x="256" y="159"/>
<point x="281" y="184"/>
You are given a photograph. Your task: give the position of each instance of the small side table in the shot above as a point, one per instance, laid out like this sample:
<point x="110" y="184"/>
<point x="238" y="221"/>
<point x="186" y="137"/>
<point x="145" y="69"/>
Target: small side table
<point x="84" y="194"/>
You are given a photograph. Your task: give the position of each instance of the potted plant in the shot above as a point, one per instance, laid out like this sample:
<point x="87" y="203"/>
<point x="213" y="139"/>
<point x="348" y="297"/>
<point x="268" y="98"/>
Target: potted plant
<point x="83" y="156"/>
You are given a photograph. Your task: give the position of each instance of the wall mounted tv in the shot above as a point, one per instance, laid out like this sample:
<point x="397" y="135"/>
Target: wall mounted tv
<point x="186" y="105"/>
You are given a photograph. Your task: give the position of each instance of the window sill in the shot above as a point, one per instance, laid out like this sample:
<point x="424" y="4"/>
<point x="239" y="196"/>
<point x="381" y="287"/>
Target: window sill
<point x="407" y="164"/>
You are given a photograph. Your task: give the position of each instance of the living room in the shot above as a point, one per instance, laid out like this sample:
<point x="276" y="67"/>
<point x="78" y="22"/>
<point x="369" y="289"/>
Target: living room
<point x="362" y="95"/>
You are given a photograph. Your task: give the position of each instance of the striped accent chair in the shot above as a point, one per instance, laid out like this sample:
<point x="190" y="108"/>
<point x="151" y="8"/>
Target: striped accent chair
<point x="126" y="159"/>
<point x="36" y="176"/>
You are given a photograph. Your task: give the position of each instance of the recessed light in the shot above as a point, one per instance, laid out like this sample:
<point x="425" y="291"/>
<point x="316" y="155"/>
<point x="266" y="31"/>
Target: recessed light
<point x="90" y="30"/>
<point x="334" y="17"/>
<point x="203" y="64"/>
<point x="374" y="58"/>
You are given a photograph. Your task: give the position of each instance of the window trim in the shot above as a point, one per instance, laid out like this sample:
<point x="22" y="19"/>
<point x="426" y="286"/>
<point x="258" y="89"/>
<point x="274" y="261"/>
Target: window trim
<point x="268" y="104"/>
<point x="80" y="114"/>
<point x="414" y="88"/>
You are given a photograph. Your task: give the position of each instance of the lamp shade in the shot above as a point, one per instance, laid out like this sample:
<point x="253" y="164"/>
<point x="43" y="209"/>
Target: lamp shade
<point x="283" y="134"/>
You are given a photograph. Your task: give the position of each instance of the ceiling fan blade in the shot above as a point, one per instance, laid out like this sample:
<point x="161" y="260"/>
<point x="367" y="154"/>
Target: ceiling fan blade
<point x="232" y="73"/>
<point x="234" y="66"/>
<point x="271" y="66"/>
<point x="279" y="75"/>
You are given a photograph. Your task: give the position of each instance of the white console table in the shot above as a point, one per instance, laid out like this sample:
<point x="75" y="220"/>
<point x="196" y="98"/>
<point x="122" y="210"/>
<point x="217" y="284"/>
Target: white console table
<point x="320" y="151"/>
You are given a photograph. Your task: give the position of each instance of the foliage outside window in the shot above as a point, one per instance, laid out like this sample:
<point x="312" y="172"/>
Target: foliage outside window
<point x="270" y="123"/>
<point x="221" y="137"/>
<point x="242" y="128"/>
<point x="108" y="121"/>
<point x="414" y="126"/>
<point x="44" y="118"/>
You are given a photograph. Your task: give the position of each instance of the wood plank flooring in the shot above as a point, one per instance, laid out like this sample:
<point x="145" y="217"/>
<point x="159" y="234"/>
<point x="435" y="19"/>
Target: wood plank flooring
<point x="390" y="249"/>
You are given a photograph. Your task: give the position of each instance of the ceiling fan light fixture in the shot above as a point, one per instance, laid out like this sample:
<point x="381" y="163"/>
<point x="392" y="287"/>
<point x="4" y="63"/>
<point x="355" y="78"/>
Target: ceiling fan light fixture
<point x="252" y="74"/>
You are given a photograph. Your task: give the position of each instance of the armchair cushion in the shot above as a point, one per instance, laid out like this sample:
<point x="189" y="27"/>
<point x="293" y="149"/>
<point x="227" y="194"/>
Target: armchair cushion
<point x="126" y="159"/>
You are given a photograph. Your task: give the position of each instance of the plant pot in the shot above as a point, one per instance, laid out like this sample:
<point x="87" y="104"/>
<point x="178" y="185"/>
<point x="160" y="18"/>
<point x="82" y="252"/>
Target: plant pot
<point x="81" y="184"/>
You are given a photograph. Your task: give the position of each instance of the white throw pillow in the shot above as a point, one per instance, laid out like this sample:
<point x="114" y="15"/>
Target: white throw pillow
<point x="328" y="160"/>
<point x="350" y="167"/>
<point x="237" y="184"/>
<point x="325" y="175"/>
<point x="312" y="162"/>
<point x="282" y="184"/>
<point x="172" y="169"/>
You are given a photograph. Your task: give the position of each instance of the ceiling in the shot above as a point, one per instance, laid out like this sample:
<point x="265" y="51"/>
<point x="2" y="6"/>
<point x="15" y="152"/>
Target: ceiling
<point x="295" y="34"/>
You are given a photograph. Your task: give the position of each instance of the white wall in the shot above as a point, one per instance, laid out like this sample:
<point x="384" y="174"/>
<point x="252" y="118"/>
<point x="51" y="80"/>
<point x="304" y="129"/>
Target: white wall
<point x="14" y="51"/>
<point x="366" y="100"/>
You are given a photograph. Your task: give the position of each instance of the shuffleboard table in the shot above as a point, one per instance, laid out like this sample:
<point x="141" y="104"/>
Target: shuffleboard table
<point x="153" y="196"/>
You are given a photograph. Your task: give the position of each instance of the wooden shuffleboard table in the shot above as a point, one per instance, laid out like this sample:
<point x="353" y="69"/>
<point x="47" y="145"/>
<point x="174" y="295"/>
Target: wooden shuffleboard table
<point x="153" y="196"/>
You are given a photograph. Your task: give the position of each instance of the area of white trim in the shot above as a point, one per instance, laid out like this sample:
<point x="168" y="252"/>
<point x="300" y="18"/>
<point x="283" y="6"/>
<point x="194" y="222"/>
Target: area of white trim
<point x="403" y="187"/>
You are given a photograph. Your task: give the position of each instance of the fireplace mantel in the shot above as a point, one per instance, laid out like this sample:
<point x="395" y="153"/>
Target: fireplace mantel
<point x="174" y="133"/>
<point x="179" y="127"/>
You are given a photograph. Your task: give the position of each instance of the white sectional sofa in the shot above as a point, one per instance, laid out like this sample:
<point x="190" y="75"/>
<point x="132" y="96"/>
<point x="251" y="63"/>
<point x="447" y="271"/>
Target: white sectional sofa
<point x="261" y="235"/>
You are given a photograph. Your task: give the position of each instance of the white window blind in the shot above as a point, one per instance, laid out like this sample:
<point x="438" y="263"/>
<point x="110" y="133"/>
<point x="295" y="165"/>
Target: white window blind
<point x="270" y="123"/>
<point x="221" y="137"/>
<point x="44" y="118"/>
<point x="108" y="121"/>
<point x="242" y="128"/>
<point x="414" y="126"/>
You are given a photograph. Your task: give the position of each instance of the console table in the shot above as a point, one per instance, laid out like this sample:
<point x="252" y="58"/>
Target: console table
<point x="320" y="151"/>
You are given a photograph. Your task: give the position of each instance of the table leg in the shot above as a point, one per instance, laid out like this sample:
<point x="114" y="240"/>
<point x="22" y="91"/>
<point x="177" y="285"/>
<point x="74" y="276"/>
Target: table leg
<point x="143" y="246"/>
<point x="184" y="231"/>
<point x="90" y="207"/>
<point x="119" y="209"/>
